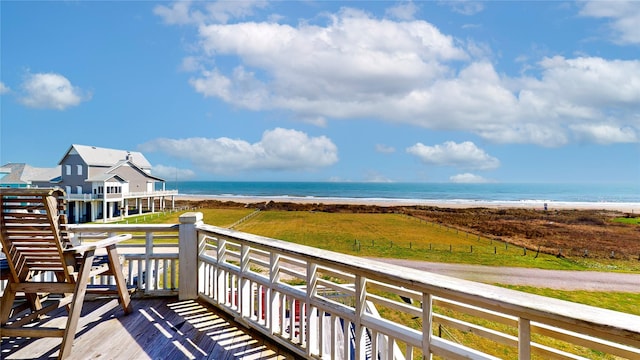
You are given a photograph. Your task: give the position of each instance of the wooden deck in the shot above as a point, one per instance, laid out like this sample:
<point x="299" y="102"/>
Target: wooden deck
<point x="159" y="328"/>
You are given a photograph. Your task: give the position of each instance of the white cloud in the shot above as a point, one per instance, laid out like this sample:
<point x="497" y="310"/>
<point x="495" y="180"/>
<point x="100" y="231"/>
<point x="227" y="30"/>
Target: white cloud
<point x="182" y="12"/>
<point x="624" y="16"/>
<point x="604" y="134"/>
<point x="179" y="13"/>
<point x="191" y="64"/>
<point x="242" y="89"/>
<point x="334" y="71"/>
<point x="375" y="177"/>
<point x="465" y="155"/>
<point x="385" y="149"/>
<point x="278" y="150"/>
<point x="587" y="84"/>
<point x="51" y="91"/>
<point x="4" y="89"/>
<point x="358" y="66"/>
<point x="170" y="173"/>
<point x="465" y="7"/>
<point x="403" y="11"/>
<point x="468" y="178"/>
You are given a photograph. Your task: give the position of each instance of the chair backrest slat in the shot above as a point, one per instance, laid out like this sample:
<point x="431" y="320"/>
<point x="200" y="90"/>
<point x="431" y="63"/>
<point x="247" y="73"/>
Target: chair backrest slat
<point x="30" y="236"/>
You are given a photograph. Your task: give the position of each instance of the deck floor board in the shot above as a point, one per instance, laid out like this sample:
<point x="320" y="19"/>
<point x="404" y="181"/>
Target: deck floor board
<point x="159" y="328"/>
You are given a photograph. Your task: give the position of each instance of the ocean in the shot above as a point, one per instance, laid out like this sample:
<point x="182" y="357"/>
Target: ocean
<point x="419" y="193"/>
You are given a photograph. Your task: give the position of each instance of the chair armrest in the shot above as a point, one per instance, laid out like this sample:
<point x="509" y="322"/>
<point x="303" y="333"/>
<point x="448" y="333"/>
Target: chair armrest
<point x="99" y="244"/>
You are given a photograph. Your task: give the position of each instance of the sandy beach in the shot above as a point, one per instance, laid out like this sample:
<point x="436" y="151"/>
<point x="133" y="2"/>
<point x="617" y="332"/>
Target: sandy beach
<point x="551" y="205"/>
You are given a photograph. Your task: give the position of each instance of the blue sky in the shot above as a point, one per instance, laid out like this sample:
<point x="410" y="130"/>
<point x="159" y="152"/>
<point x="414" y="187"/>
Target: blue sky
<point x="437" y="91"/>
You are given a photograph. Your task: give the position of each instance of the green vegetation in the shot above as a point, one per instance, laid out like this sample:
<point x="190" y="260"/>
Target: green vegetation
<point x="628" y="220"/>
<point x="618" y="301"/>
<point x="398" y="236"/>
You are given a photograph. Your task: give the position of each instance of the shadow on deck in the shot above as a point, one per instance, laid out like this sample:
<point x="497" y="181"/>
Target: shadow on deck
<point x="159" y="328"/>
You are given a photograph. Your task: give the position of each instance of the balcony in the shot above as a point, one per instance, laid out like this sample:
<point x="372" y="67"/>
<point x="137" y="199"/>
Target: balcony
<point x="129" y="195"/>
<point x="209" y="292"/>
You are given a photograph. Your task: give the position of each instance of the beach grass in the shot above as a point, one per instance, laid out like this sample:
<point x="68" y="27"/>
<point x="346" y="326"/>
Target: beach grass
<point x="396" y="236"/>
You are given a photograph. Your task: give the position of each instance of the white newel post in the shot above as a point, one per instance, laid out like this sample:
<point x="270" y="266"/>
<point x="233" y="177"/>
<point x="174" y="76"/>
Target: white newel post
<point x="188" y="255"/>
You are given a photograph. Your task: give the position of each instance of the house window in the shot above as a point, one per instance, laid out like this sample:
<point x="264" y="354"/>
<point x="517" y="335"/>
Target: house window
<point x="79" y="189"/>
<point x="79" y="169"/>
<point x="67" y="189"/>
<point x="68" y="169"/>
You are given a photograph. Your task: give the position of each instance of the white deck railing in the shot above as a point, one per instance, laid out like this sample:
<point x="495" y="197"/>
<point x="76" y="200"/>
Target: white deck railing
<point x="322" y="304"/>
<point x="128" y="195"/>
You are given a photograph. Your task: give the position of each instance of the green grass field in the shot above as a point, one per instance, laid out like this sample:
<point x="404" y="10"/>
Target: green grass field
<point x="400" y="236"/>
<point x="628" y="220"/>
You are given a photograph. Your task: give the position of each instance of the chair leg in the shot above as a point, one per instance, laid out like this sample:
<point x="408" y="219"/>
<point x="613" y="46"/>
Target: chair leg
<point x="7" y="302"/>
<point x="121" y="284"/>
<point x="76" y="305"/>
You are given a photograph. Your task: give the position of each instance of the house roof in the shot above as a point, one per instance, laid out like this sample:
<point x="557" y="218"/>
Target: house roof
<point x="133" y="165"/>
<point x="106" y="177"/>
<point x="20" y="173"/>
<point x="97" y="156"/>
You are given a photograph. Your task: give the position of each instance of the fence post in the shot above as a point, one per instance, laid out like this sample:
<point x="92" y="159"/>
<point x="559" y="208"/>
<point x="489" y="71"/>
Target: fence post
<point x="188" y="249"/>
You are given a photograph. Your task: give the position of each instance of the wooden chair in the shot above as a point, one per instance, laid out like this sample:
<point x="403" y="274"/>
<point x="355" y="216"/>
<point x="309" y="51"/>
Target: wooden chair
<point x="35" y="241"/>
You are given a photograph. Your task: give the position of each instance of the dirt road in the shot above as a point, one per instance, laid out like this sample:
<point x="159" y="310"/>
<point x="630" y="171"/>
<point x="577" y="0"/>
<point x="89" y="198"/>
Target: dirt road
<point x="555" y="279"/>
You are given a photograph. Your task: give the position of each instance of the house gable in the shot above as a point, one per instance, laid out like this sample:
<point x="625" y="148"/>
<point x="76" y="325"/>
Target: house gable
<point x="139" y="180"/>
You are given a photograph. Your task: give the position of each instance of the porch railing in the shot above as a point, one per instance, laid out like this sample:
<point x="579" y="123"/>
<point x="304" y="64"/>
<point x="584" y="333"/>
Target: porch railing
<point x="129" y="195"/>
<point x="321" y="304"/>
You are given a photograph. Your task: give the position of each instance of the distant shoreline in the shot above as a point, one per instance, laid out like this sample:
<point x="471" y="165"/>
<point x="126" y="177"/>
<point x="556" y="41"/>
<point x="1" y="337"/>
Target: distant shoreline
<point x="532" y="204"/>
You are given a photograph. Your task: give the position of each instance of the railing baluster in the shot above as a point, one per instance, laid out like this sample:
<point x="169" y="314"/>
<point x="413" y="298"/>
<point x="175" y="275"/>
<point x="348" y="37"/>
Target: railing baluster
<point x="346" y="334"/>
<point x="142" y="275"/>
<point x="361" y="298"/>
<point x="333" y="351"/>
<point x="274" y="318"/>
<point x="222" y="283"/>
<point x="173" y="274"/>
<point x="427" y="320"/>
<point x="244" y="285"/>
<point x="374" y="344"/>
<point x="165" y="275"/>
<point x="148" y="244"/>
<point x="524" y="339"/>
<point x="310" y="331"/>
